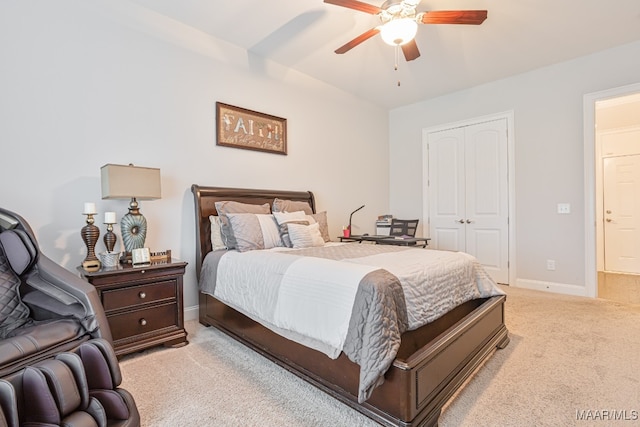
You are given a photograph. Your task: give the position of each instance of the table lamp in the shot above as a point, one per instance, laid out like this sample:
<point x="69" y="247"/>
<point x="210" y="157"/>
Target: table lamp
<point x="131" y="182"/>
<point x="349" y="227"/>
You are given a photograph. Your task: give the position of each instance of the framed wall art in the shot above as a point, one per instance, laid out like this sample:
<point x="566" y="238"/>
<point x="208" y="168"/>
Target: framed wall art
<point x="241" y="128"/>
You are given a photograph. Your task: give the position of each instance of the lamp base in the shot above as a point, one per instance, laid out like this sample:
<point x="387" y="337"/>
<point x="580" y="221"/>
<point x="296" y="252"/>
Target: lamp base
<point x="134" y="231"/>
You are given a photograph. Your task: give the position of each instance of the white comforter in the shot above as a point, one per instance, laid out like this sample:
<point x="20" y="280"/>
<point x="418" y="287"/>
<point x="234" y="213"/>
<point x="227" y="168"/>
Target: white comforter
<point x="298" y="296"/>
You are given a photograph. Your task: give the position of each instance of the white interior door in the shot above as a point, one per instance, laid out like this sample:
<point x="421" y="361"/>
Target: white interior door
<point x="468" y="193"/>
<point x="446" y="190"/>
<point x="621" y="176"/>
<point x="487" y="197"/>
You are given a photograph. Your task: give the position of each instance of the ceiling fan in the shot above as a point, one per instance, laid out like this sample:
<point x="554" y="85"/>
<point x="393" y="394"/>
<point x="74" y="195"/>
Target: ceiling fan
<point x="400" y="21"/>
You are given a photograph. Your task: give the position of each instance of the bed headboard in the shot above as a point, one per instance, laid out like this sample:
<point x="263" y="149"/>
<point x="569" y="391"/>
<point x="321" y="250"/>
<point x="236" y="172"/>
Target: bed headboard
<point x="206" y="197"/>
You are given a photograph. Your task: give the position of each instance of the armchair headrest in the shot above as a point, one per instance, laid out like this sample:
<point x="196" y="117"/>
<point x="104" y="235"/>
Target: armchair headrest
<point x="20" y="250"/>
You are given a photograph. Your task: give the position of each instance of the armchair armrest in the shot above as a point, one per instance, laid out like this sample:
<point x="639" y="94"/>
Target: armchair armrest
<point x="66" y="287"/>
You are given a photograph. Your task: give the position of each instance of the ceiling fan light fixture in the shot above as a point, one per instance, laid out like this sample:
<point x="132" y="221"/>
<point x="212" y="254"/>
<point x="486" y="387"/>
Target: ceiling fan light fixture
<point x="399" y="31"/>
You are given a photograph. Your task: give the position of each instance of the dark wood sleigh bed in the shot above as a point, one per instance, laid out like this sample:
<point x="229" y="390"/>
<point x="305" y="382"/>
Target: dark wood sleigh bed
<point x="432" y="363"/>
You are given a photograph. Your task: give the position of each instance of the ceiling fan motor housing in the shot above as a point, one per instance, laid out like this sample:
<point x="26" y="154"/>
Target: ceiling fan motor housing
<point x="398" y="9"/>
<point x="399" y="24"/>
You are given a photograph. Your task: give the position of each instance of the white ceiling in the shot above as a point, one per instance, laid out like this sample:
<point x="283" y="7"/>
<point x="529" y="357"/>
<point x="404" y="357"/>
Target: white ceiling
<point x="518" y="35"/>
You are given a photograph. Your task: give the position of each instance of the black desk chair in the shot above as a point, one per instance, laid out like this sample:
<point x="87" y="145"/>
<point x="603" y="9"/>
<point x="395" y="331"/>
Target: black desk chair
<point x="403" y="227"/>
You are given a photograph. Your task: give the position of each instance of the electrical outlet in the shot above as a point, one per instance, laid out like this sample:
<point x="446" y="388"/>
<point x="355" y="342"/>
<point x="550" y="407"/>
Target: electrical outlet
<point x="564" y="208"/>
<point x="551" y="264"/>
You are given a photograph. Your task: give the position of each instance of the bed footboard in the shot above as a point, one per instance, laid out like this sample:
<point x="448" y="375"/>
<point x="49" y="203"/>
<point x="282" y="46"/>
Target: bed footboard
<point x="434" y="360"/>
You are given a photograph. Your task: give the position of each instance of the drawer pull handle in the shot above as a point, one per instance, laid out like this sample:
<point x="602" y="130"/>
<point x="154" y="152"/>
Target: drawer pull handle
<point x="142" y="295"/>
<point x="143" y="322"/>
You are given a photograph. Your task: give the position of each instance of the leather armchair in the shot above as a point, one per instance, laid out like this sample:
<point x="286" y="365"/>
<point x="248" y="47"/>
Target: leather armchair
<point x="44" y="308"/>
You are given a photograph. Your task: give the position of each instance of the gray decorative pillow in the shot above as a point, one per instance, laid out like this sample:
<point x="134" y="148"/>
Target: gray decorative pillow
<point x="321" y="219"/>
<point x="227" y="207"/>
<point x="254" y="231"/>
<point x="280" y="205"/>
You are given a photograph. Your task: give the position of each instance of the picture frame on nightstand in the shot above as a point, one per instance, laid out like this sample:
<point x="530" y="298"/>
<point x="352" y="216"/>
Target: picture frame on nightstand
<point x="140" y="257"/>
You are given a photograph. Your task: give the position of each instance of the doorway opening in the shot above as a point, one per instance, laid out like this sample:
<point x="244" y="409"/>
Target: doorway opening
<point x="612" y="183"/>
<point x="617" y="198"/>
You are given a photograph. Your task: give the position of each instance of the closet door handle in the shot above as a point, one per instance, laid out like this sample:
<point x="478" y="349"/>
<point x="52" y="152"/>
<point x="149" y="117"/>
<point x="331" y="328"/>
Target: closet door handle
<point x="469" y="221"/>
<point x="461" y="221"/>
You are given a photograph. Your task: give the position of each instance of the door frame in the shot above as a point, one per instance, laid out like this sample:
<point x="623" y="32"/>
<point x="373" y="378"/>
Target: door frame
<point x="590" y="220"/>
<point x="508" y="115"/>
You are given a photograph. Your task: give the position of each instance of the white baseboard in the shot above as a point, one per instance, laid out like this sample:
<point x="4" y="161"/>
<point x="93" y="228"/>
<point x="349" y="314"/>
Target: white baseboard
<point x="191" y="313"/>
<point x="559" y="288"/>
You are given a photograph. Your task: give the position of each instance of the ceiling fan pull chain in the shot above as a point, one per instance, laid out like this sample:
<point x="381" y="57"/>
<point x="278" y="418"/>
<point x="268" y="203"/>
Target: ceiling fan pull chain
<point x="397" y="58"/>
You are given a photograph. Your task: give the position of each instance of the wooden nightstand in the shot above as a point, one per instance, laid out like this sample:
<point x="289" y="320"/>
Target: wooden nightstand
<point x="143" y="305"/>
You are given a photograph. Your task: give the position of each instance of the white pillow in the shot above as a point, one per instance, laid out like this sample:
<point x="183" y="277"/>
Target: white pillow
<point x="305" y="236"/>
<point x="216" y="235"/>
<point x="284" y="219"/>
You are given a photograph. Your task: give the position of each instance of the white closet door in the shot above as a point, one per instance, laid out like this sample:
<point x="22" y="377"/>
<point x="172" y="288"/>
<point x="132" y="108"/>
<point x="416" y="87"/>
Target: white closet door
<point x="446" y="190"/>
<point x="468" y="194"/>
<point x="487" y="207"/>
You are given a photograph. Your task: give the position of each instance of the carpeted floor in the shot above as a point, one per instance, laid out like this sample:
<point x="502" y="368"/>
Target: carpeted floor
<point x="571" y="361"/>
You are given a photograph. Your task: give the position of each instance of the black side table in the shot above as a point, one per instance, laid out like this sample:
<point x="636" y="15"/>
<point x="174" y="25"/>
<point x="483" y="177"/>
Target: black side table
<point x="388" y="240"/>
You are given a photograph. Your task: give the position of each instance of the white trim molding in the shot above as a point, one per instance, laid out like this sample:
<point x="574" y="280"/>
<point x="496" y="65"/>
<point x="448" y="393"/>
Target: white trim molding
<point x="191" y="313"/>
<point x="558" y="288"/>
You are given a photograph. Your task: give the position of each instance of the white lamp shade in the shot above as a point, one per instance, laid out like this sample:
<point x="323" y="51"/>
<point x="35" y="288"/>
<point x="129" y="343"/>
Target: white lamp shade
<point x="125" y="182"/>
<point x="399" y="31"/>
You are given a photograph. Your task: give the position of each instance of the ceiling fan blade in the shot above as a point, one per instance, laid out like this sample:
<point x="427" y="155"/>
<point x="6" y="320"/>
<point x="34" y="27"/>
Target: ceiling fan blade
<point x="355" y="42"/>
<point x="410" y="50"/>
<point x="469" y="17"/>
<point x="356" y="5"/>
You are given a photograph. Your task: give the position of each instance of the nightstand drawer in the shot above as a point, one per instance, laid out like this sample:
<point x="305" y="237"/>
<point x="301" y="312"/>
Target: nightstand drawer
<point x="116" y="299"/>
<point x="139" y="322"/>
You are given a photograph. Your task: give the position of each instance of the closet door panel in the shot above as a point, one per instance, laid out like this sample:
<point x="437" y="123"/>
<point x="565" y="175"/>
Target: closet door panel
<point x="487" y="203"/>
<point x="446" y="190"/>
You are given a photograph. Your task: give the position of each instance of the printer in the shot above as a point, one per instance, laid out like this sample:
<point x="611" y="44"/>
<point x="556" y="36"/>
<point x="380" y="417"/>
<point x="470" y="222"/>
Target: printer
<point x="383" y="225"/>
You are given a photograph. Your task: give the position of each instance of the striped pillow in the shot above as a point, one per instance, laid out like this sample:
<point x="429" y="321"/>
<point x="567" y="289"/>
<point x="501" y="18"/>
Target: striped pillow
<point x="305" y="236"/>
